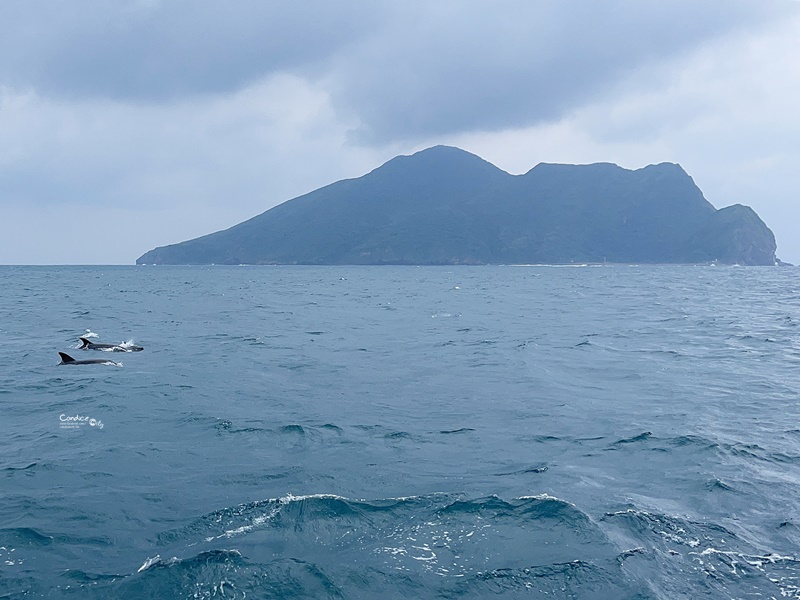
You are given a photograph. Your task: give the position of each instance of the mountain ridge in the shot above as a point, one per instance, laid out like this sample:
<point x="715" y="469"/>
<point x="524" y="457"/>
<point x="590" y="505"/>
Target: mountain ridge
<point x="444" y="205"/>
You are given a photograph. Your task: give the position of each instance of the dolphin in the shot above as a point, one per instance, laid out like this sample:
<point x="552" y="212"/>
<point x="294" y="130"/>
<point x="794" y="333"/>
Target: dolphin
<point x="66" y="359"/>
<point x="87" y="345"/>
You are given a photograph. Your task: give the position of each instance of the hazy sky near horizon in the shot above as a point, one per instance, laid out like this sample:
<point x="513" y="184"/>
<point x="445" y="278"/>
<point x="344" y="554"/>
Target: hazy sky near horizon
<point x="130" y="124"/>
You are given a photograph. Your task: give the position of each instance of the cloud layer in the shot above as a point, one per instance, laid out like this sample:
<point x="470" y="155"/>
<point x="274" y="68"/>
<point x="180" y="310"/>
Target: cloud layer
<point x="157" y="121"/>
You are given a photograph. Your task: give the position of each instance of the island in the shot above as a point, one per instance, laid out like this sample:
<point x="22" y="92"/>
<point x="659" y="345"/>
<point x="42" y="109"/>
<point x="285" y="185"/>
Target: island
<point x="446" y="206"/>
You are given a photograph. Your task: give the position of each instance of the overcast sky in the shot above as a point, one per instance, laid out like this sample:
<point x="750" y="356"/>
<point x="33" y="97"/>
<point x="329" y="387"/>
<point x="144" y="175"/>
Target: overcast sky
<point x="130" y="124"/>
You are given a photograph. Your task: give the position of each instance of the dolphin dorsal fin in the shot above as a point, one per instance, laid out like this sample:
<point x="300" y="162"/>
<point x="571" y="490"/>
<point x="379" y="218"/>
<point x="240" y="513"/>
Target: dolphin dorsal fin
<point x="65" y="358"/>
<point x="85" y="342"/>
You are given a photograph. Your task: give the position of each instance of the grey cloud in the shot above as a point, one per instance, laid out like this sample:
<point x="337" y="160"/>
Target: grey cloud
<point x="150" y="51"/>
<point x="510" y="64"/>
<point x="403" y="70"/>
<point x="254" y="145"/>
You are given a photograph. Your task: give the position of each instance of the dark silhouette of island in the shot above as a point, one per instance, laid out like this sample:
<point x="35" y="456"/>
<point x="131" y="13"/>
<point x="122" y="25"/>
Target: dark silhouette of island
<point x="445" y="206"/>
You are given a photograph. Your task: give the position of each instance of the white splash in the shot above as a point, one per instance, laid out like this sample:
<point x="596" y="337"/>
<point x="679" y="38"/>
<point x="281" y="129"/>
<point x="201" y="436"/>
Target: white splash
<point x="292" y="498"/>
<point x="149" y="563"/>
<point x="261" y="520"/>
<point x="256" y="522"/>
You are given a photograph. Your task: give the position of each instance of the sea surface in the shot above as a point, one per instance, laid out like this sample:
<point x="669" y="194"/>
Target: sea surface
<point x="599" y="432"/>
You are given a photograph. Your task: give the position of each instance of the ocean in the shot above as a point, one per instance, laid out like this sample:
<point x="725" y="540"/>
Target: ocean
<point x="620" y="432"/>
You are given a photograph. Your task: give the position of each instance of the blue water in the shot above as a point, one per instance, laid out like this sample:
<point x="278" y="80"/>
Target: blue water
<point x="388" y="432"/>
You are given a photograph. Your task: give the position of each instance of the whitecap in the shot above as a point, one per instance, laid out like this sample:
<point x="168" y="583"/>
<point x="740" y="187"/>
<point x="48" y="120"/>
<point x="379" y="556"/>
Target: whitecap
<point x="149" y="563"/>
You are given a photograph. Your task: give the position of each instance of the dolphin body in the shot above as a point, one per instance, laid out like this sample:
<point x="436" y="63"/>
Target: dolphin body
<point x="87" y="345"/>
<point x="66" y="359"/>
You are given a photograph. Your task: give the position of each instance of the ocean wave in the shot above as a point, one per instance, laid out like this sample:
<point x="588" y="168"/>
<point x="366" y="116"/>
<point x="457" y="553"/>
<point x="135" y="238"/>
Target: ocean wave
<point x="427" y="533"/>
<point x="223" y="573"/>
<point x="683" y="556"/>
<point x="24" y="536"/>
<point x="330" y="546"/>
<point x="29" y="537"/>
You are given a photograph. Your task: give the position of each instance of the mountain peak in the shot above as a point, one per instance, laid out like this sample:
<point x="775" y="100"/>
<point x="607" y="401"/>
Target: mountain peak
<point x="665" y="168"/>
<point x="444" y="160"/>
